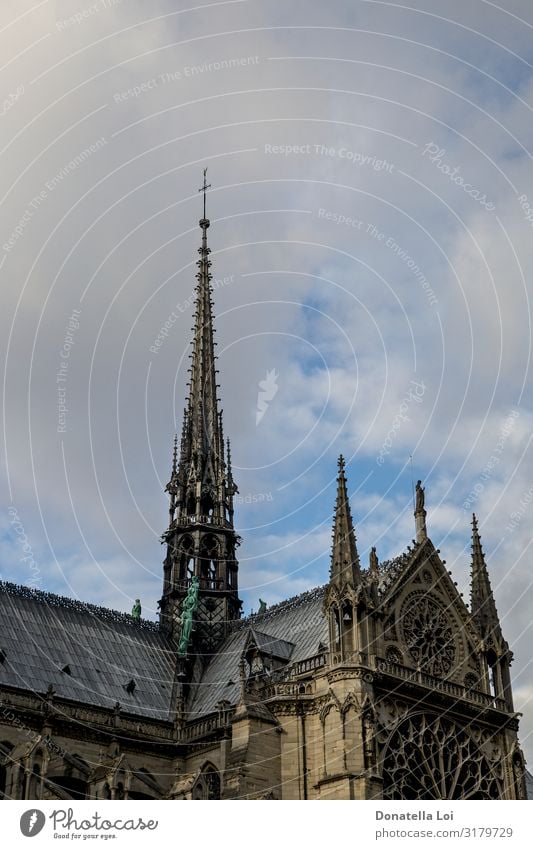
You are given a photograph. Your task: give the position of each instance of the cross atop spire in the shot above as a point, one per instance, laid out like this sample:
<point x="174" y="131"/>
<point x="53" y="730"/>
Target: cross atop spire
<point x="204" y="222"/>
<point x="345" y="568"/>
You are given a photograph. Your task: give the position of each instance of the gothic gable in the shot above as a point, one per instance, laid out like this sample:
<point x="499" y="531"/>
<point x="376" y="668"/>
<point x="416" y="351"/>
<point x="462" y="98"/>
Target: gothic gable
<point x="426" y="624"/>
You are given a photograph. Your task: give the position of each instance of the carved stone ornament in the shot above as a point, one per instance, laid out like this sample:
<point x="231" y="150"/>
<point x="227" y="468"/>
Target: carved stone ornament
<point x="428" y="634"/>
<point x="430" y="757"/>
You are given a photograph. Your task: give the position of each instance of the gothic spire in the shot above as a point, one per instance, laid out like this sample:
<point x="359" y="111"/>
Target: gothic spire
<point x="202" y="405"/>
<point x="482" y="604"/>
<point x="345" y="568"/>
<point x="202" y="489"/>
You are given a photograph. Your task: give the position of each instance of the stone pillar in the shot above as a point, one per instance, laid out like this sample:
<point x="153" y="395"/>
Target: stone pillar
<point x="420" y="525"/>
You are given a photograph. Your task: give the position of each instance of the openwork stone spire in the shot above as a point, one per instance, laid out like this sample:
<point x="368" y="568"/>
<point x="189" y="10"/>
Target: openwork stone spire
<point x="345" y="567"/>
<point x="482" y="604"/>
<point x="202" y="487"/>
<point x="200" y="588"/>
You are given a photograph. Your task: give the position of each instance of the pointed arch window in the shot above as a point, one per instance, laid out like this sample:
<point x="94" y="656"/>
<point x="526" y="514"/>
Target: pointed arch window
<point x="209" y="563"/>
<point x="186" y="560"/>
<point x="207" y="505"/>
<point x="207" y="785"/>
<point x="34" y="785"/>
<point x="191" y="505"/>
<point x="492" y="663"/>
<point x="347" y="625"/>
<point x="336" y="627"/>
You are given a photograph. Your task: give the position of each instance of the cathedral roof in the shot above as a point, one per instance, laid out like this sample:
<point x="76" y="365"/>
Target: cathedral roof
<point x="87" y="653"/>
<point x="92" y="654"/>
<point x="299" y="620"/>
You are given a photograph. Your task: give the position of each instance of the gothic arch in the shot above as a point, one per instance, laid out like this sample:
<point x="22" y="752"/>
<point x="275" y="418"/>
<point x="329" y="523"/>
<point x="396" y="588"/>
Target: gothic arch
<point x="430" y="757"/>
<point x="191" y="504"/>
<point x="518" y="767"/>
<point x="207" y="785"/>
<point x="352" y="736"/>
<point x="207" y="503"/>
<point x="209" y="562"/>
<point x="332" y="721"/>
<point x="333" y="596"/>
<point x="335" y="630"/>
<point x="186" y="558"/>
<point x="332" y="729"/>
<point x="332" y="703"/>
<point x="351" y="700"/>
<point x="38" y="769"/>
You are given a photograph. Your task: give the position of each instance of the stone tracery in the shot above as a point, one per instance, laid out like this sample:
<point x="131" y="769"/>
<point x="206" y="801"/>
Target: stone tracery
<point x="428" y="634"/>
<point x="430" y="757"/>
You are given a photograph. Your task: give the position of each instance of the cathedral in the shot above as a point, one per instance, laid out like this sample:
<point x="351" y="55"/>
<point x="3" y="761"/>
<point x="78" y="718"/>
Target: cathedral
<point x="382" y="684"/>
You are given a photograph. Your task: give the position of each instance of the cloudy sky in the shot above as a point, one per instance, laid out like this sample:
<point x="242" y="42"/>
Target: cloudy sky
<point x="371" y="209"/>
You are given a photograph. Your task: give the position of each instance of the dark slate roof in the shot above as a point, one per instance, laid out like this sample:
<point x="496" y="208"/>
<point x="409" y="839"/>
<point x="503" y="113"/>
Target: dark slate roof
<point x="280" y="649"/>
<point x="299" y="621"/>
<point x="42" y="634"/>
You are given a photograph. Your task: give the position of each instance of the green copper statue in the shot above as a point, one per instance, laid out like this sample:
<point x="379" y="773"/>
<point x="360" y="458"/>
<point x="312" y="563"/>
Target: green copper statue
<point x="189" y="606"/>
<point x="136" y="610"/>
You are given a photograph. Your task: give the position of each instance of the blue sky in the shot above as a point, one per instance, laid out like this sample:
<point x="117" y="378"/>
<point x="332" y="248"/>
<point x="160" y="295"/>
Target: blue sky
<point x="105" y="132"/>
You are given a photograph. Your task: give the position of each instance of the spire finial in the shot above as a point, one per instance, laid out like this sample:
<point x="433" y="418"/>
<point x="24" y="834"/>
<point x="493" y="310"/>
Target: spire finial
<point x="341" y="464"/>
<point x="204" y="222"/>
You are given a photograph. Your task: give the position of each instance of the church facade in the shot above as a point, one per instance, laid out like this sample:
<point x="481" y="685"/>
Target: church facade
<point x="382" y="684"/>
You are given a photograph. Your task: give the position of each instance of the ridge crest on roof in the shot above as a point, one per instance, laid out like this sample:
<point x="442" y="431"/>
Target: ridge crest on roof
<point x="105" y="613"/>
<point x="289" y="604"/>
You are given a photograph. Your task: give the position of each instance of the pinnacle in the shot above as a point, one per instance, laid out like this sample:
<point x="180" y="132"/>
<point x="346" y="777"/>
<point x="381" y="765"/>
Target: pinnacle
<point x="175" y="453"/>
<point x="482" y="604"/>
<point x="344" y="558"/>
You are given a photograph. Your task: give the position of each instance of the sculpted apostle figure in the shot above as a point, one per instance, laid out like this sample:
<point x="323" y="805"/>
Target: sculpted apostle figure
<point x="419" y="496"/>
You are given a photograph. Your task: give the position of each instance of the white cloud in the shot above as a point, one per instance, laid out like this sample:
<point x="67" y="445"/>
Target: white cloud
<point x="337" y="309"/>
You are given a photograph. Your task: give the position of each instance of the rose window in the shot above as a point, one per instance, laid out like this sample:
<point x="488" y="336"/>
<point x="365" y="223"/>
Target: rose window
<point x="428" y="635"/>
<point x="428" y="757"/>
